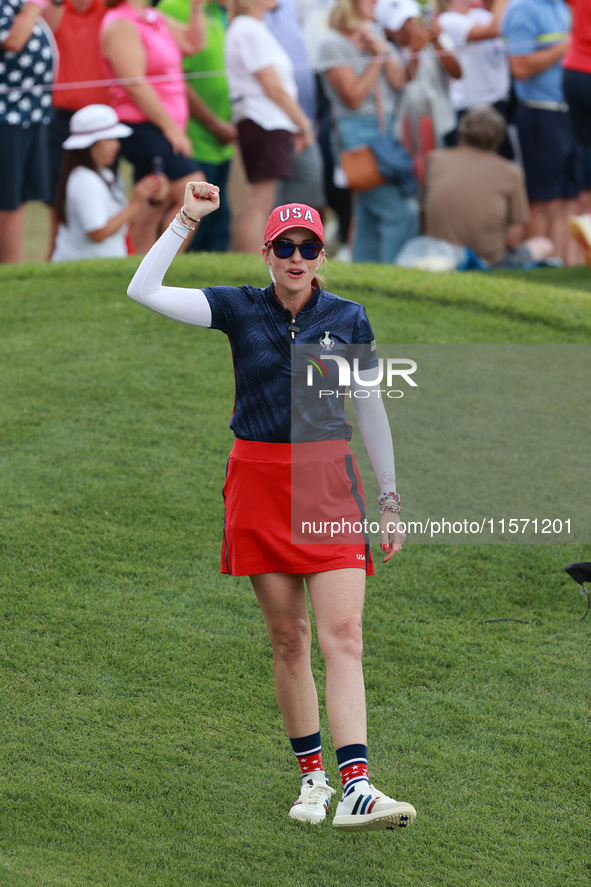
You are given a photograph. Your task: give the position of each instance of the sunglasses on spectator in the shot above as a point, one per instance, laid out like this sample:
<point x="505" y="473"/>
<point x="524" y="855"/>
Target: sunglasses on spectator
<point x="284" y="249"/>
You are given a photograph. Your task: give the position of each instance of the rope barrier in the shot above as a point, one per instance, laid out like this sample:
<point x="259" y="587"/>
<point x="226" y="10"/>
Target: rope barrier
<point x="197" y="75"/>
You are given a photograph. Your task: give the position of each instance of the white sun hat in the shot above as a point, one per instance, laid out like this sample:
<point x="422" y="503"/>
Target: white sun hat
<point x="392" y="14"/>
<point x="93" y="123"/>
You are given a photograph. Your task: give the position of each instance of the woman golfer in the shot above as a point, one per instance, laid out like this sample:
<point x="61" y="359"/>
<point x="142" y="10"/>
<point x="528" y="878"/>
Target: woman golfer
<point x="291" y="475"/>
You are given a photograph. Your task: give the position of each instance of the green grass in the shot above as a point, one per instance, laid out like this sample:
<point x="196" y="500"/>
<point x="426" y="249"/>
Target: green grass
<point x="141" y="741"/>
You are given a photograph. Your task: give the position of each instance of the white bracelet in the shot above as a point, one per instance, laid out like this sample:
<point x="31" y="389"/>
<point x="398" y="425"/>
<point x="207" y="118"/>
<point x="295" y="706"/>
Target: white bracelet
<point x="179" y="227"/>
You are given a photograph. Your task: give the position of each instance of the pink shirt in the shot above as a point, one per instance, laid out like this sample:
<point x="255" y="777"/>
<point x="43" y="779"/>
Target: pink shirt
<point x="163" y="62"/>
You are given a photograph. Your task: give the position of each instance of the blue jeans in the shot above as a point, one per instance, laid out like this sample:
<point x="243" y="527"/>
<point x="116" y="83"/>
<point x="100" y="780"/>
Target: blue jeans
<point x="213" y="232"/>
<point x="384" y="222"/>
<point x="384" y="219"/>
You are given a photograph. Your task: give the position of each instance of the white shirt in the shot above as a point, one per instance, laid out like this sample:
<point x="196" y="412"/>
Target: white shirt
<point x="485" y="71"/>
<point x="250" y="47"/>
<point x="313" y="18"/>
<point x="90" y="203"/>
<point x="436" y="82"/>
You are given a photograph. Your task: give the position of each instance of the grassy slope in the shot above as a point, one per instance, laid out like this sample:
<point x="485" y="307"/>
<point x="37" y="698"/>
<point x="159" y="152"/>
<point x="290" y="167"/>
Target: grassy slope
<point x="141" y="744"/>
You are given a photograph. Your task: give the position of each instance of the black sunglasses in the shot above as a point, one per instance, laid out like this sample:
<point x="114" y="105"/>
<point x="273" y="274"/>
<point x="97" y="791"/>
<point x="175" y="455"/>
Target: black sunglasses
<point x="284" y="249"/>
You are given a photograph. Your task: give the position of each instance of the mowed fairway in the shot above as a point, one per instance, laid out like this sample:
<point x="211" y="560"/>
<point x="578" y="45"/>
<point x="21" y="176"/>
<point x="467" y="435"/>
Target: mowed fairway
<point x="141" y="744"/>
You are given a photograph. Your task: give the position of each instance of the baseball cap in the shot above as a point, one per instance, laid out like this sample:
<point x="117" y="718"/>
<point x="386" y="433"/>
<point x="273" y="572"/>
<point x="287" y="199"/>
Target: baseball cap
<point x="392" y="14"/>
<point x="293" y="215"/>
<point x="93" y="123"/>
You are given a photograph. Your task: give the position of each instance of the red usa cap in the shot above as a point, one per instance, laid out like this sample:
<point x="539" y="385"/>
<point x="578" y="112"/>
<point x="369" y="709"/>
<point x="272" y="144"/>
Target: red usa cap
<point x="293" y="215"/>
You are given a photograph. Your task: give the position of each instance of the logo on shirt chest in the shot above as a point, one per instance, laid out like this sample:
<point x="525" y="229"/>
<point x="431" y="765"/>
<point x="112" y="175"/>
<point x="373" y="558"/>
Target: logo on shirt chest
<point x="327" y="341"/>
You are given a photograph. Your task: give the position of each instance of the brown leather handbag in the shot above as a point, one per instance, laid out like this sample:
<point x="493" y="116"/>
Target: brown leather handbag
<point x="360" y="164"/>
<point x="361" y="169"/>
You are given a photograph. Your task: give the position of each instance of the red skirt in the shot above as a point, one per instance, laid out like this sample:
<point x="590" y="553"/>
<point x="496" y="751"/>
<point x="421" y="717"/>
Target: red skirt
<point x="293" y="508"/>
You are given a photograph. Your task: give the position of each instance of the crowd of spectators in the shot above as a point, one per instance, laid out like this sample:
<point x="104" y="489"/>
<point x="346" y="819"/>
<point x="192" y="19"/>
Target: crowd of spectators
<point x="479" y="91"/>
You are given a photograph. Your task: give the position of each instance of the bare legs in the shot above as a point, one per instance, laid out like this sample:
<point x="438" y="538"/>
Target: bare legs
<point x="257" y="208"/>
<point x="282" y="600"/>
<point x="337" y="600"/>
<point x="549" y="218"/>
<point x="11" y="234"/>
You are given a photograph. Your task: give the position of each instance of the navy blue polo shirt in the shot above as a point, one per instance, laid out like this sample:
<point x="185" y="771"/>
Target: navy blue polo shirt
<point x="273" y="404"/>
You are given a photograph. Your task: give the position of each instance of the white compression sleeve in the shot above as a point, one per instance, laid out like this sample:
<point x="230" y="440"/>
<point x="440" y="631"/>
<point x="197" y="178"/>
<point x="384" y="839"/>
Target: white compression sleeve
<point x="178" y="303"/>
<point x="375" y="430"/>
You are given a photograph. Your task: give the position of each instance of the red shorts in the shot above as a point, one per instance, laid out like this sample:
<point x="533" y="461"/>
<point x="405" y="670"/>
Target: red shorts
<point x="293" y="508"/>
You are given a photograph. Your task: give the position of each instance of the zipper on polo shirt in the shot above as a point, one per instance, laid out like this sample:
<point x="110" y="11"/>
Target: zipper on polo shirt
<point x="293" y="329"/>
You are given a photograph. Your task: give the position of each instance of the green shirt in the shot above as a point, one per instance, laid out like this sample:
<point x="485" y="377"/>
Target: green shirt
<point x="212" y="89"/>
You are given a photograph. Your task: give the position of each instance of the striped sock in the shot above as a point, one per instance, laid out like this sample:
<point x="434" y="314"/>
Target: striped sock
<point x="308" y="751"/>
<point x="353" y="766"/>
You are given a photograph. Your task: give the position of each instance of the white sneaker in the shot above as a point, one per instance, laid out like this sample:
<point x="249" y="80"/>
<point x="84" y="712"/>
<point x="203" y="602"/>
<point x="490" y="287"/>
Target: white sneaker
<point x="363" y="811"/>
<point x="343" y="254"/>
<point x="579" y="227"/>
<point x="331" y="233"/>
<point x="312" y="803"/>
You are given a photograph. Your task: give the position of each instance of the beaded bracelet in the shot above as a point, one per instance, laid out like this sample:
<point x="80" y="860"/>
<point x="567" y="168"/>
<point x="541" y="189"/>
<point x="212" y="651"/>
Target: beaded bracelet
<point x="188" y="217"/>
<point x="389" y="502"/>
